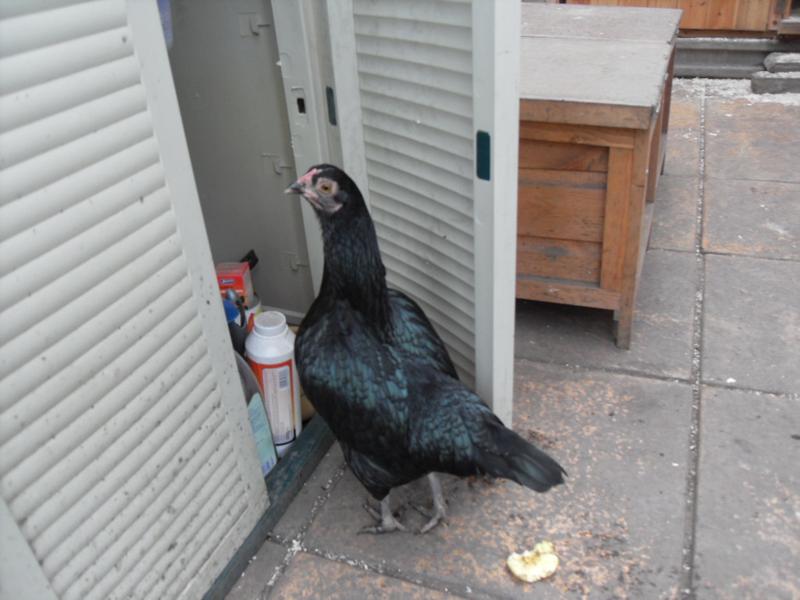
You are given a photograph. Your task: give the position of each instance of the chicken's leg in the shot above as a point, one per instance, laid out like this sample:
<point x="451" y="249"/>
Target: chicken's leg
<point x="439" y="506"/>
<point x="386" y="520"/>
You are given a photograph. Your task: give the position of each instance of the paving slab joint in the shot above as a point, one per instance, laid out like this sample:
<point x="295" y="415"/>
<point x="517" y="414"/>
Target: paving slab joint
<point x="687" y="586"/>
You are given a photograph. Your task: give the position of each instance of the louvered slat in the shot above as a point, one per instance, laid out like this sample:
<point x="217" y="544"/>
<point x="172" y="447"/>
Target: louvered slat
<point x="17" y="217"/>
<point x="66" y="224"/>
<point x="441" y="11"/>
<point x="405" y="30"/>
<point x="215" y="517"/>
<point x="51" y="438"/>
<point x="415" y="78"/>
<point x="404" y="144"/>
<point x="155" y="543"/>
<point x="432" y="116"/>
<point x="28" y="32"/>
<point x="51" y="62"/>
<point x="427" y="245"/>
<point x="74" y="357"/>
<point x="136" y="550"/>
<point x="404" y="71"/>
<point x="18" y="350"/>
<point x="422" y="133"/>
<point x="447" y="220"/>
<point x="423" y="189"/>
<point x="63" y="93"/>
<point x="29" y="140"/>
<point x="427" y="172"/>
<point x="35" y="173"/>
<point x="121" y="419"/>
<point x="174" y="486"/>
<point x="82" y="498"/>
<point x="137" y="218"/>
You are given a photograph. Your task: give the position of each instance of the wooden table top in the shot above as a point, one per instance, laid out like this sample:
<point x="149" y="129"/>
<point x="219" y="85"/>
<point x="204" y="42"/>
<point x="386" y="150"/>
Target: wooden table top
<point x="576" y="71"/>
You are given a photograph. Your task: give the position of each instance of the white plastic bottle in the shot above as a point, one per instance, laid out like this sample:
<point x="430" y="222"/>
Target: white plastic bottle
<point x="270" y="352"/>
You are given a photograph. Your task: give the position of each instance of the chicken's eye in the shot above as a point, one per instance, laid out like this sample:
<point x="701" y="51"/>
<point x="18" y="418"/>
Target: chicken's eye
<point x="325" y="187"/>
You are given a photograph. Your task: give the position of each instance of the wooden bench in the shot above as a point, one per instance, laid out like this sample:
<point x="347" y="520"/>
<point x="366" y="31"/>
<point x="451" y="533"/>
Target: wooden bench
<point x="594" y="110"/>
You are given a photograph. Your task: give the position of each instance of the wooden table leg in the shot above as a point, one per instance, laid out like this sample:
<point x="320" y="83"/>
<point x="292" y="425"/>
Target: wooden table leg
<point x="636" y="233"/>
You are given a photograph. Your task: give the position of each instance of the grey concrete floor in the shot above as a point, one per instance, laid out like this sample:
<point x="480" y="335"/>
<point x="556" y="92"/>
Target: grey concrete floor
<point x="682" y="453"/>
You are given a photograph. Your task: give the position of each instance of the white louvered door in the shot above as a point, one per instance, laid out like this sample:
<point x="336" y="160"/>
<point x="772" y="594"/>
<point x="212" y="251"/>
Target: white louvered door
<point x="126" y="464"/>
<point x="416" y="81"/>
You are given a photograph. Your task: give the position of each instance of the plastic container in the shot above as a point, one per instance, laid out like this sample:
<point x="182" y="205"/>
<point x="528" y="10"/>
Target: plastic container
<point x="259" y="423"/>
<point x="252" y="311"/>
<point x="269" y="350"/>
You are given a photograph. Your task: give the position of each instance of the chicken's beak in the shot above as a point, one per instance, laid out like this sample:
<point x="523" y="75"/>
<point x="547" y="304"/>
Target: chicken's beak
<point x="295" y="188"/>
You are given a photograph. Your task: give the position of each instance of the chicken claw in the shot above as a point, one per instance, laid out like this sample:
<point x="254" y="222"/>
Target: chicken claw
<point x="439" y="513"/>
<point x="386" y="520"/>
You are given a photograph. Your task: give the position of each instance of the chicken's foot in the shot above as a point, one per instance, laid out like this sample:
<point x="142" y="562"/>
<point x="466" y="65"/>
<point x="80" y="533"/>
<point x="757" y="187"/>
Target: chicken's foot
<point x="386" y="520"/>
<point x="439" y="505"/>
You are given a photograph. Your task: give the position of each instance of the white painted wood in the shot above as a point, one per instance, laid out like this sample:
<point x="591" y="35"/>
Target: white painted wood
<point x="21" y="577"/>
<point x="496" y="59"/>
<point x="297" y="46"/>
<point x="348" y="99"/>
<point x="415" y="81"/>
<point x="127" y="468"/>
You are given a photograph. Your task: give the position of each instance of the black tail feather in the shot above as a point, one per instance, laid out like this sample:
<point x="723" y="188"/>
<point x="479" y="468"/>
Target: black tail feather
<point x="514" y="458"/>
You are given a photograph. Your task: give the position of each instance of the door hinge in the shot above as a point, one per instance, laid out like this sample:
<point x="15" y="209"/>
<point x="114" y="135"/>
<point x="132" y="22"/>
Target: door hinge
<point x="251" y="24"/>
<point x="279" y="163"/>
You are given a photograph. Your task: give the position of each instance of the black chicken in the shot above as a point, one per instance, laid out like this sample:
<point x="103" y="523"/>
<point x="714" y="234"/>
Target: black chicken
<point x="374" y="368"/>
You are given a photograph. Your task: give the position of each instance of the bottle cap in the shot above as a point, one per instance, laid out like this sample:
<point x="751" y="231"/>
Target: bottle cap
<point x="270" y="323"/>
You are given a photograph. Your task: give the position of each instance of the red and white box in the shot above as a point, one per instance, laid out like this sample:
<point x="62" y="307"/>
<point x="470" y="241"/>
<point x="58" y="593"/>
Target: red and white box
<point x="236" y="276"/>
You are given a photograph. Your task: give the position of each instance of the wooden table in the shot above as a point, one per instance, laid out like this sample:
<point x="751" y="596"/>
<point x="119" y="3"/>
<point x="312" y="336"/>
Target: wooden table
<point x="594" y="108"/>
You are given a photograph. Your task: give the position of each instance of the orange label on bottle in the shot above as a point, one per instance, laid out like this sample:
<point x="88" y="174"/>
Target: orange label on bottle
<point x="277" y="389"/>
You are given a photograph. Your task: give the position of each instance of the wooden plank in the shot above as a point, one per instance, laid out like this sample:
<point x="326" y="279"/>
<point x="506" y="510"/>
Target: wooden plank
<point x="283" y="483"/>
<point x="712" y="15"/>
<point x="634" y="248"/>
<point x="655" y="156"/>
<point x="561" y="156"/>
<point x="584" y="113"/>
<point x="562" y="259"/>
<point x="752" y="15"/>
<point x="721" y="15"/>
<point x="554" y="178"/>
<point x="615" y="223"/>
<point x="647" y="226"/>
<point x="561" y="205"/>
<point x="547" y="289"/>
<point x="641" y="153"/>
<point x="612" y="137"/>
<point x="695" y="14"/>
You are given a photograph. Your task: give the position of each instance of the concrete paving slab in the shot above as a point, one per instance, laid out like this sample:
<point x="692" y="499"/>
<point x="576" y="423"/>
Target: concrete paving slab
<point x="748" y="531"/>
<point x="674" y="219"/>
<point x="314" y="489"/>
<point x="617" y="524"/>
<point x="751" y="332"/>
<point x="683" y="138"/>
<point x="662" y="328"/>
<point x="782" y="62"/>
<point x="263" y="566"/>
<point x="764" y="82"/>
<point x="752" y="140"/>
<point x="310" y="576"/>
<point x="752" y="218"/>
